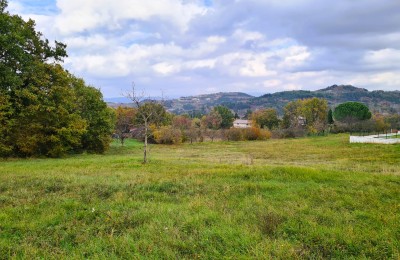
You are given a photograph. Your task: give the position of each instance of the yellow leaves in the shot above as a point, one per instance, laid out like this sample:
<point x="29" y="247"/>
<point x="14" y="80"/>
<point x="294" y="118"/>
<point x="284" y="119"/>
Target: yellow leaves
<point x="167" y="135"/>
<point x="311" y="112"/>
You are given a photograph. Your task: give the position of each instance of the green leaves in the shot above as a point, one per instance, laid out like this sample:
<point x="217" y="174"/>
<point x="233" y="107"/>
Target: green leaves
<point x="227" y="116"/>
<point x="266" y="118"/>
<point x="44" y="110"/>
<point x="351" y="112"/>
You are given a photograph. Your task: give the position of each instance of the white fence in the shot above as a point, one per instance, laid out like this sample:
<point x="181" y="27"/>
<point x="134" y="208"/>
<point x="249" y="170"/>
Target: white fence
<point x="376" y="139"/>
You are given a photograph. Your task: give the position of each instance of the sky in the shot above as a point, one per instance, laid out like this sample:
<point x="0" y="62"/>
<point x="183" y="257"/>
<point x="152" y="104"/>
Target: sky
<point x="188" y="47"/>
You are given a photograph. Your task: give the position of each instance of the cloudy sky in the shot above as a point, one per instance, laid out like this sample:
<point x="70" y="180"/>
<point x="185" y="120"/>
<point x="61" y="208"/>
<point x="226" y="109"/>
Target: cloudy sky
<point x="190" y="47"/>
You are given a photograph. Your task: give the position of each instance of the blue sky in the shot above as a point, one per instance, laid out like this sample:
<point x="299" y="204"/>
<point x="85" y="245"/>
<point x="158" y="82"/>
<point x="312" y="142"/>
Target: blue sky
<point x="190" y="47"/>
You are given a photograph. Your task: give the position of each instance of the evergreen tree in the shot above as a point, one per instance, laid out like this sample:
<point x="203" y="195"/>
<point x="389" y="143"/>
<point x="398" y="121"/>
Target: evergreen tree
<point x="330" y="117"/>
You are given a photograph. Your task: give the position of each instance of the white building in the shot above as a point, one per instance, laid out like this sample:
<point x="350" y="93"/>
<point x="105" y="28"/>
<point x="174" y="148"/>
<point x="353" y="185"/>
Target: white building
<point x="240" y="123"/>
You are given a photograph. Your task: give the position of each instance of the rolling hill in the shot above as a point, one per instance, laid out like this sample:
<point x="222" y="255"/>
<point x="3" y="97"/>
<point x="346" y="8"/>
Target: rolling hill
<point x="378" y="101"/>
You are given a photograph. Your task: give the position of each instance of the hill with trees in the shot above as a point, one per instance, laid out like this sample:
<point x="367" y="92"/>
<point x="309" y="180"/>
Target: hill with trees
<point x="378" y="101"/>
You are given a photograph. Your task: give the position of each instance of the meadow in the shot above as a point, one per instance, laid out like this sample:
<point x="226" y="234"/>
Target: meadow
<point x="315" y="197"/>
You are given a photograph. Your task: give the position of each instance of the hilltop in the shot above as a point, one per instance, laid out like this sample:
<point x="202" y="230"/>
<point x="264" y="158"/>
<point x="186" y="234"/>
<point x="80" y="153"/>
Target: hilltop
<point x="378" y="100"/>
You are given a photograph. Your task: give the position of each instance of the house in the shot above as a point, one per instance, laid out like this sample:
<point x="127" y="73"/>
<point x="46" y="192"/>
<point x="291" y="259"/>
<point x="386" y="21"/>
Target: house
<point x="302" y="120"/>
<point x="240" y="123"/>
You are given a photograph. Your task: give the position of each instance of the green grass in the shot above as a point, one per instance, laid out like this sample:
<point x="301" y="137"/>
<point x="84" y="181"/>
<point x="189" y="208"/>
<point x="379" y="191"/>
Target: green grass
<point x="317" y="197"/>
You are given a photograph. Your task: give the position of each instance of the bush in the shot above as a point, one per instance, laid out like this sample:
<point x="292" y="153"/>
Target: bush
<point x="264" y="134"/>
<point x="168" y="135"/>
<point x="234" y="134"/>
<point x="292" y="132"/>
<point x="256" y="133"/>
<point x="247" y="134"/>
<point x="251" y="133"/>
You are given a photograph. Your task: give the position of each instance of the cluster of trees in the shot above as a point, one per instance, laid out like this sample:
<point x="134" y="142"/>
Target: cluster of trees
<point x="44" y="110"/>
<point x="303" y="116"/>
<point x="313" y="116"/>
<point x="354" y="116"/>
<point x="165" y="128"/>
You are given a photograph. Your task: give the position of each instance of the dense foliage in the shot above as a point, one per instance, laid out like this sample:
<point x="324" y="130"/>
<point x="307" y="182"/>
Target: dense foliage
<point x="226" y="115"/>
<point x="266" y="118"/>
<point x="330" y="117"/>
<point x="310" y="114"/>
<point x="351" y="112"/>
<point x="44" y="110"/>
<point x="125" y="117"/>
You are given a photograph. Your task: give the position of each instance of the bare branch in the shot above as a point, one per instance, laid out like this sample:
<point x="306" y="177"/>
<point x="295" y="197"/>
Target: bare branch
<point x="132" y="95"/>
<point x="150" y="111"/>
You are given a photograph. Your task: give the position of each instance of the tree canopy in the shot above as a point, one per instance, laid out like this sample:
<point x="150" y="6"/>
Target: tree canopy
<point x="310" y="113"/>
<point x="44" y="110"/>
<point x="226" y="115"/>
<point x="266" y="118"/>
<point x="351" y="112"/>
<point x="125" y="117"/>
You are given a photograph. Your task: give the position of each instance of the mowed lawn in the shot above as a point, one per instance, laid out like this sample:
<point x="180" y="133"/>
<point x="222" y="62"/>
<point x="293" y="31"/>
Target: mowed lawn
<point x="317" y="197"/>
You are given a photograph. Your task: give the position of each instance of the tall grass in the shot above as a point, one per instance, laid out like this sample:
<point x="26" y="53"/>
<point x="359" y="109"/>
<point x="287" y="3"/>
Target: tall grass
<point x="317" y="197"/>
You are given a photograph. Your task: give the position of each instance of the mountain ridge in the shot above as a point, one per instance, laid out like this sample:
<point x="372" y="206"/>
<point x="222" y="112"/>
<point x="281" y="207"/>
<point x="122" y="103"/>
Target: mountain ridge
<point x="377" y="100"/>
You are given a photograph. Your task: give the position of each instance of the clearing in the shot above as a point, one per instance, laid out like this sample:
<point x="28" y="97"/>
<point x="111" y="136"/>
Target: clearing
<point x="317" y="197"/>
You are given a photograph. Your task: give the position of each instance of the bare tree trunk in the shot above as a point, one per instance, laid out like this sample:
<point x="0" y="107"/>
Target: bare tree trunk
<point x="145" y="142"/>
<point x="153" y="114"/>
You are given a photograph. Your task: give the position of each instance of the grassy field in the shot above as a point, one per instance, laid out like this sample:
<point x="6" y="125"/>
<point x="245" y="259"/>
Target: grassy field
<point x="318" y="197"/>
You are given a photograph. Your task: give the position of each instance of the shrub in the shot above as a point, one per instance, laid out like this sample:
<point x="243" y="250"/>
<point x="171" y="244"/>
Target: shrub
<point x="289" y="133"/>
<point x="168" y="135"/>
<point x="264" y="134"/>
<point x="234" y="134"/>
<point x="251" y="133"/>
<point x="256" y="133"/>
<point x="247" y="134"/>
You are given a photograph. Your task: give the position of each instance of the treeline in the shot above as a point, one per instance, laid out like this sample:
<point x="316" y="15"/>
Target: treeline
<point x="312" y="116"/>
<point x="44" y="110"/>
<point x="302" y="117"/>
<point x="175" y="129"/>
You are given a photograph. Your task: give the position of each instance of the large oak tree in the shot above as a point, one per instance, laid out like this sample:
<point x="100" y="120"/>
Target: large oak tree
<point x="44" y="110"/>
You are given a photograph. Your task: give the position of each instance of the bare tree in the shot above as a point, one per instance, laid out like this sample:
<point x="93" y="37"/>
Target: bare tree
<point x="148" y="112"/>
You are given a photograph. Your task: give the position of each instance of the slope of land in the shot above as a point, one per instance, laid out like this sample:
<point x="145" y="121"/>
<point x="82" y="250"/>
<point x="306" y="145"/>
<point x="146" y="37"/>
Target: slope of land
<point x="305" y="198"/>
<point x="377" y="101"/>
<point x="203" y="103"/>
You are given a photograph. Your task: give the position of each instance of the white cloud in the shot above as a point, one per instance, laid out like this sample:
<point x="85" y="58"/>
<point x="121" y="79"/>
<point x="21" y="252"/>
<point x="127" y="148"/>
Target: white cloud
<point x="94" y="42"/>
<point x="273" y="83"/>
<point x="291" y="86"/>
<point x="245" y="36"/>
<point x="293" y="56"/>
<point x="166" y="68"/>
<point x="385" y="58"/>
<point x="198" y="64"/>
<point x="80" y="16"/>
<point x="255" y="67"/>
<point x="245" y="45"/>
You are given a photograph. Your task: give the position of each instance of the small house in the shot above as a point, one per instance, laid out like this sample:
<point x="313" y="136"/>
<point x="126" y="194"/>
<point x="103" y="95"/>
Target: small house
<point x="241" y="123"/>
